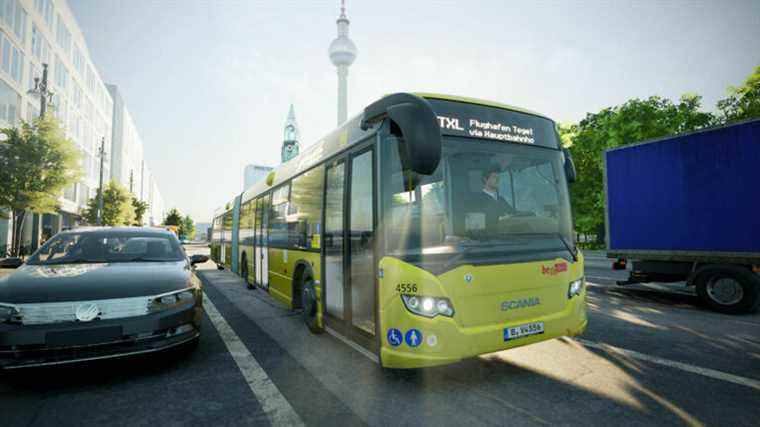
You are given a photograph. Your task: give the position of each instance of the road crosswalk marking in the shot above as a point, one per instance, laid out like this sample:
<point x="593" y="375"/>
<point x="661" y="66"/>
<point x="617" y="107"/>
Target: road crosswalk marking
<point x="705" y="372"/>
<point x="277" y="409"/>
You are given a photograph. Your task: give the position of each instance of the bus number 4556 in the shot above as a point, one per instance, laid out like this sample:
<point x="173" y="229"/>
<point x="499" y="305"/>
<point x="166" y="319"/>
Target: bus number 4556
<point x="406" y="288"/>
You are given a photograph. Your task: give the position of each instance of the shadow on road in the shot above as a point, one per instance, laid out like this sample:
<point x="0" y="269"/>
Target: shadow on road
<point x="97" y="374"/>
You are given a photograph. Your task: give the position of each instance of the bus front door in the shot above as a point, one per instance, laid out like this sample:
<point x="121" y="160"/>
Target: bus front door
<point x="264" y="267"/>
<point x="361" y="243"/>
<point x="333" y="240"/>
<point x="256" y="244"/>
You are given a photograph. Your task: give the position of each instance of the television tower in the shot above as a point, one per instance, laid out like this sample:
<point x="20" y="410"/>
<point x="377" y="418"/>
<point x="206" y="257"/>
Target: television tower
<point x="342" y="54"/>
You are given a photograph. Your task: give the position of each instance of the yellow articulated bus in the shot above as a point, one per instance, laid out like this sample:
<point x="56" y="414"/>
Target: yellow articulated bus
<point x="426" y="230"/>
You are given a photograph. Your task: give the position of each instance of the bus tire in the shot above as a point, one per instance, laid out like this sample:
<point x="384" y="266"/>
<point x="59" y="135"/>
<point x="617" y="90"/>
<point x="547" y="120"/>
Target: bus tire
<point x="309" y="306"/>
<point x="244" y="272"/>
<point x="728" y="289"/>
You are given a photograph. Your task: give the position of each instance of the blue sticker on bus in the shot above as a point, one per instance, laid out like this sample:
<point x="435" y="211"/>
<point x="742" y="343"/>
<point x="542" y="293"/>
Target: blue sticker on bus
<point x="394" y="337"/>
<point x="413" y="337"/>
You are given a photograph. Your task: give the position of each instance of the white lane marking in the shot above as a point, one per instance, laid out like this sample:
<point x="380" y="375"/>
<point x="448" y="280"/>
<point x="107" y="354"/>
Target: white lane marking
<point x="705" y="372"/>
<point x="371" y="356"/>
<point x="273" y="403"/>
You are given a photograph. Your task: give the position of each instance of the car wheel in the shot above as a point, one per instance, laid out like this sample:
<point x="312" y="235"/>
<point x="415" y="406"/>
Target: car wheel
<point x="728" y="289"/>
<point x="309" y="306"/>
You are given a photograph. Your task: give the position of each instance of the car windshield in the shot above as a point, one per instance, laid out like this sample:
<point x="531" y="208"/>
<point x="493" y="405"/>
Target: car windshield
<point x="485" y="197"/>
<point x="88" y="247"/>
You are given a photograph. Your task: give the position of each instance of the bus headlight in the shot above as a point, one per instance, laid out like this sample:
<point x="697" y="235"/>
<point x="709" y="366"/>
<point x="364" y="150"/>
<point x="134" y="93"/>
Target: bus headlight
<point x="575" y="288"/>
<point x="428" y="306"/>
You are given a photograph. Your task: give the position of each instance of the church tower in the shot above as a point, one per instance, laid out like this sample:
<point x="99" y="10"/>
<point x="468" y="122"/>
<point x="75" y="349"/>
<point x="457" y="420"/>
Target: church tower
<point x="290" y="144"/>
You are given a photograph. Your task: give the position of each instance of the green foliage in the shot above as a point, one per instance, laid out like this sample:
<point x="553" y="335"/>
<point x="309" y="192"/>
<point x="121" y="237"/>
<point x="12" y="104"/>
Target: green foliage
<point x="173" y="217"/>
<point x="634" y="121"/>
<point x="140" y="207"/>
<point x="743" y="102"/>
<point x="37" y="162"/>
<point x="187" y="228"/>
<point x="117" y="207"/>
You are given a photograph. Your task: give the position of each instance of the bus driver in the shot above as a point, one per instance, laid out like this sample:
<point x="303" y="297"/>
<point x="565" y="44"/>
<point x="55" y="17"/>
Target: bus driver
<point x="489" y="202"/>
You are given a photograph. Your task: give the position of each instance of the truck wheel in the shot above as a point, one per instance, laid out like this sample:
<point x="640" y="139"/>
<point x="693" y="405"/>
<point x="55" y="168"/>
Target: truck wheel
<point x="728" y="289"/>
<point x="309" y="306"/>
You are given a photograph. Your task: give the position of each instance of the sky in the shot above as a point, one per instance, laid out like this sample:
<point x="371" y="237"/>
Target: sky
<point x="209" y="83"/>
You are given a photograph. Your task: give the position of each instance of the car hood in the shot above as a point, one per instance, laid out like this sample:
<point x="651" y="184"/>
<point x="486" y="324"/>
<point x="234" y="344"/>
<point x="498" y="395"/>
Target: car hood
<point x="82" y="282"/>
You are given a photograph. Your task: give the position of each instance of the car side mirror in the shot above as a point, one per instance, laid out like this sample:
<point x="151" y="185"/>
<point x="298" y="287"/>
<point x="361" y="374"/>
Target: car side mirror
<point x="13" y="262"/>
<point x="198" y="259"/>
<point x="570" y="171"/>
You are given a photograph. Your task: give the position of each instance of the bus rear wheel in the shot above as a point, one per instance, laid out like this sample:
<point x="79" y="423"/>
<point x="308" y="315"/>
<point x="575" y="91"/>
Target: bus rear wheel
<point x="309" y="306"/>
<point x="244" y="273"/>
<point x="728" y="289"/>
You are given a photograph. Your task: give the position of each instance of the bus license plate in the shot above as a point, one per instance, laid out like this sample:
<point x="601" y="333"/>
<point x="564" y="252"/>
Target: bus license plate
<point x="523" y="330"/>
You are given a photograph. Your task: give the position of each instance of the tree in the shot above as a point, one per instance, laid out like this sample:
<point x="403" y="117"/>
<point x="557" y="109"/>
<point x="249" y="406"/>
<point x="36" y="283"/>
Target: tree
<point x="636" y="120"/>
<point x="173" y="217"/>
<point x="37" y="162"/>
<point x="187" y="227"/>
<point x="117" y="207"/>
<point x="140" y="207"/>
<point x="743" y="102"/>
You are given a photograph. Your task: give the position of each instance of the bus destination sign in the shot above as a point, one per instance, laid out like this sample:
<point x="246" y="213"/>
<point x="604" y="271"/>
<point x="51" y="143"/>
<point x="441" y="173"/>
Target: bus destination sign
<point x="477" y="121"/>
<point x="490" y="130"/>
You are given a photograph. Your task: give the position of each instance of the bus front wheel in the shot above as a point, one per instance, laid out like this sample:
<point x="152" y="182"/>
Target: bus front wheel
<point x="309" y="306"/>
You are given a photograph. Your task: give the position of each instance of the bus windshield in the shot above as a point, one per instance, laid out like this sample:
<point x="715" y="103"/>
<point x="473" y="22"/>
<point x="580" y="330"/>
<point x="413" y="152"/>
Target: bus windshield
<point x="488" y="199"/>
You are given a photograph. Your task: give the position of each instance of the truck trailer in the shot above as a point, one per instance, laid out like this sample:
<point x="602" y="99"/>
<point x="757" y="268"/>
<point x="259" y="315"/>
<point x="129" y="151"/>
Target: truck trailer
<point x="687" y="208"/>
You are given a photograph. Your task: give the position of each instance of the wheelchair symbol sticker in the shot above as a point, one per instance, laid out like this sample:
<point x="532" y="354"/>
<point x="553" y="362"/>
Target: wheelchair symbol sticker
<point x="394" y="337"/>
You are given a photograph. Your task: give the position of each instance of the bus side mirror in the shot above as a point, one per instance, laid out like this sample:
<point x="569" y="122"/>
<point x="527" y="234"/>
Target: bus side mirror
<point x="570" y="172"/>
<point x="415" y="120"/>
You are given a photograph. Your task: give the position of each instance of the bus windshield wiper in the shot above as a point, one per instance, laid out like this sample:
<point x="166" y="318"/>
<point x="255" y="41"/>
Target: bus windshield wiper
<point x="573" y="253"/>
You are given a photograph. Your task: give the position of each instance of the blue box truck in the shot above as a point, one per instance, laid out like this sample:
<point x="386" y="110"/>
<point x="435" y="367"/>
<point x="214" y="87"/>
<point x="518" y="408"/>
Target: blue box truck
<point x="687" y="208"/>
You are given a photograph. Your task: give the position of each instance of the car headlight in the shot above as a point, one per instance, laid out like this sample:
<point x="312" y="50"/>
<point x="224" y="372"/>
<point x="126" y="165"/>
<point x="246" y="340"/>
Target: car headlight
<point x="428" y="306"/>
<point x="172" y="299"/>
<point x="9" y="314"/>
<point x="575" y="288"/>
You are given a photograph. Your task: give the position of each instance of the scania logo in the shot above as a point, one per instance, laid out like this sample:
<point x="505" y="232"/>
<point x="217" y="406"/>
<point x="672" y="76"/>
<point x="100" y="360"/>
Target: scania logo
<point x="87" y="311"/>
<point x="520" y="303"/>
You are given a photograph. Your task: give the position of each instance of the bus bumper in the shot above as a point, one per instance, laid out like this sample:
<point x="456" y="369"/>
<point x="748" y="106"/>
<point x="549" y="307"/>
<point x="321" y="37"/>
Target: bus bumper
<point x="442" y="341"/>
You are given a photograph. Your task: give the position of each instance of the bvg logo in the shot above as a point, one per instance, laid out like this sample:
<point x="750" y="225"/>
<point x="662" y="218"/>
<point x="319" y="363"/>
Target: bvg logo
<point x="449" y="123"/>
<point x="554" y="270"/>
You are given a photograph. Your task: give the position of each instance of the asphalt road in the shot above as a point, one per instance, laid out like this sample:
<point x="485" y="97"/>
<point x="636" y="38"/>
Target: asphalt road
<point x="648" y="357"/>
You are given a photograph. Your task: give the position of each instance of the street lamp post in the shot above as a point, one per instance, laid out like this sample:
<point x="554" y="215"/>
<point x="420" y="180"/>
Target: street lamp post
<point x="41" y="90"/>
<point x="102" y="155"/>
